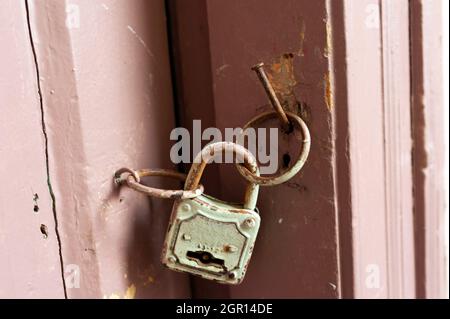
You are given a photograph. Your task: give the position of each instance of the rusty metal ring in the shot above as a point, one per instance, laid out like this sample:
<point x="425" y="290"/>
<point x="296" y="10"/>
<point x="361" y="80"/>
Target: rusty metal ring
<point x="291" y="172"/>
<point x="118" y="175"/>
<point x="135" y="184"/>
<point x="209" y="152"/>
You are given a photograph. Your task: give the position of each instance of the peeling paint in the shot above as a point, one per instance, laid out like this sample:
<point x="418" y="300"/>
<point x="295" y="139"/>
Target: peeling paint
<point x="282" y="77"/>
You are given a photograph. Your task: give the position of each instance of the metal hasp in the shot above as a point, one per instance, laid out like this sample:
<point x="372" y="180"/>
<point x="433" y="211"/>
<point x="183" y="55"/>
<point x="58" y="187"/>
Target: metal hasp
<point x="208" y="237"/>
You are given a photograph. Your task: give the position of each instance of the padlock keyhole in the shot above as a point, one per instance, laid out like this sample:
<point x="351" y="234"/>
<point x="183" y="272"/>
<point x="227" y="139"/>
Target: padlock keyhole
<point x="205" y="258"/>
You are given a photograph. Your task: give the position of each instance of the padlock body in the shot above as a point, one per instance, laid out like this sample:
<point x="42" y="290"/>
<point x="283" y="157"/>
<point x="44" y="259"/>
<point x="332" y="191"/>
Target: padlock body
<point x="210" y="238"/>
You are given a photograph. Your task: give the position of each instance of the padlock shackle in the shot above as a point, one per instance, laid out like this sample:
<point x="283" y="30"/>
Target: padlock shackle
<point x="209" y="152"/>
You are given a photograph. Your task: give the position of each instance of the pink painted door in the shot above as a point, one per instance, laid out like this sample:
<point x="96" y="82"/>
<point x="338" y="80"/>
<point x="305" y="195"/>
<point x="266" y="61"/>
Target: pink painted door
<point x="87" y="87"/>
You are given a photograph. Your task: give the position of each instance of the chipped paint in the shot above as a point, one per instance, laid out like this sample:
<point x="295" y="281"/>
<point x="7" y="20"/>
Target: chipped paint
<point x="328" y="93"/>
<point x="282" y="77"/>
<point x="130" y="293"/>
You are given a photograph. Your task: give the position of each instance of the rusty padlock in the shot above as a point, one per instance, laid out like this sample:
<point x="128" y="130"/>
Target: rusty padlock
<point x="209" y="237"/>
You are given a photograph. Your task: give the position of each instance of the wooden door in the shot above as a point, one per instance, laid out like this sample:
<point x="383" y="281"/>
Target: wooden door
<point x="90" y="86"/>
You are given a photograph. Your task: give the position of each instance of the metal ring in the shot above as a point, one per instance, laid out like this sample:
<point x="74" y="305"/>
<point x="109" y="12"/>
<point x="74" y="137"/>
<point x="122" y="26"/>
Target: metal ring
<point x="135" y="184"/>
<point x="291" y="172"/>
<point x="118" y="175"/>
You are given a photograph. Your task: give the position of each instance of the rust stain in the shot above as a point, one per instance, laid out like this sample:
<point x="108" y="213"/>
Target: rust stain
<point x="281" y="74"/>
<point x="238" y="211"/>
<point x="282" y="77"/>
<point x="328" y="93"/>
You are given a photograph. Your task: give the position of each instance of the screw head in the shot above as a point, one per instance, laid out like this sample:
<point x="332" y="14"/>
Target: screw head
<point x="186" y="207"/>
<point x="172" y="259"/>
<point x="232" y="275"/>
<point x="250" y="222"/>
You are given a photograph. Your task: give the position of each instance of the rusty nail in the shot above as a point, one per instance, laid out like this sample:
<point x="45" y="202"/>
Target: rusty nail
<point x="259" y="69"/>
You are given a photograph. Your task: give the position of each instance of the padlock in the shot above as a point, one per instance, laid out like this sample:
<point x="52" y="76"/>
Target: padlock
<point x="208" y="237"/>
